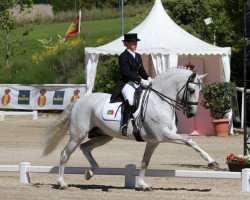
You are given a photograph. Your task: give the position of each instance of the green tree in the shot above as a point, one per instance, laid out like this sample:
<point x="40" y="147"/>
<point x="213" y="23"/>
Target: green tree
<point x="10" y="46"/>
<point x="190" y="15"/>
<point x="227" y="16"/>
<point x="65" y="5"/>
<point x="41" y="1"/>
<point x="233" y="36"/>
<point x="228" y="23"/>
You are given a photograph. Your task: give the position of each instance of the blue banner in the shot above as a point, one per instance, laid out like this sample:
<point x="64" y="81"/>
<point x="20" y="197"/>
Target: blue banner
<point x="58" y="98"/>
<point x="24" y="97"/>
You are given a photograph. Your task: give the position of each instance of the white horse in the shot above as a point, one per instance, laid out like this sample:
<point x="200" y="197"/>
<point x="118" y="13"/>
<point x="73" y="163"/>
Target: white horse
<point x="170" y="89"/>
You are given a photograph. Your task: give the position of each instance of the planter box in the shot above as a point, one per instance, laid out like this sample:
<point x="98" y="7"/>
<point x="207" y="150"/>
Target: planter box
<point x="235" y="167"/>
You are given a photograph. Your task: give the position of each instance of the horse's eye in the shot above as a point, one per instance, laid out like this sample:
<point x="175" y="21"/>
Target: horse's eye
<point x="191" y="91"/>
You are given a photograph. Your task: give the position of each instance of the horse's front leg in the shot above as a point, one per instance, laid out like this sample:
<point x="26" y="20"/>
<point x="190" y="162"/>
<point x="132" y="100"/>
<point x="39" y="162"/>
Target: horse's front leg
<point x="144" y="164"/>
<point x="176" y="138"/>
<point x="211" y="162"/>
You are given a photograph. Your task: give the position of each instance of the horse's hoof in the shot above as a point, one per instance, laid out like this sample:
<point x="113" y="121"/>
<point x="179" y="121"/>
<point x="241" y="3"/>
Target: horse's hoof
<point x="145" y="188"/>
<point x="213" y="165"/>
<point x="148" y="188"/>
<point x="62" y="186"/>
<point x="88" y="174"/>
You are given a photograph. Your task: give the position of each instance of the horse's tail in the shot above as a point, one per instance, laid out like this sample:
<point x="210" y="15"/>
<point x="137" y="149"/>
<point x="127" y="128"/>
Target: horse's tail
<point x="57" y="131"/>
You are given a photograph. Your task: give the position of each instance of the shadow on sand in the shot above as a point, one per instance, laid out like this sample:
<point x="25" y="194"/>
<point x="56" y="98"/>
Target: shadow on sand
<point x="196" y="166"/>
<point x="109" y="188"/>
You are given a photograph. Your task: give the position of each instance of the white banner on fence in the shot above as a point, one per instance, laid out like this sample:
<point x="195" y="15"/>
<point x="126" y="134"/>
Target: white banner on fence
<point x="39" y="97"/>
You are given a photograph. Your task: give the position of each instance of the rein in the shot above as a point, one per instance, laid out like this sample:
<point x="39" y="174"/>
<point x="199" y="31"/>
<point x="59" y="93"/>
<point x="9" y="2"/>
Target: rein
<point x="176" y="104"/>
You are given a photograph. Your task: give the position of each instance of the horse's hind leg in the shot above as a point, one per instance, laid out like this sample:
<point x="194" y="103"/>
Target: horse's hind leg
<point x="88" y="146"/>
<point x="149" y="150"/>
<point x="65" y="154"/>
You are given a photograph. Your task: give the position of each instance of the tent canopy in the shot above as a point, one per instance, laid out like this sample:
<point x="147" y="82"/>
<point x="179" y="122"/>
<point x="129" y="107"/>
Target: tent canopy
<point x="164" y="41"/>
<point x="159" y="34"/>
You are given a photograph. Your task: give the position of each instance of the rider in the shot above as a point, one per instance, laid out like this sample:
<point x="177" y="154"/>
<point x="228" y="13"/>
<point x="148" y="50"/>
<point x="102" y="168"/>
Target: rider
<point x="133" y="75"/>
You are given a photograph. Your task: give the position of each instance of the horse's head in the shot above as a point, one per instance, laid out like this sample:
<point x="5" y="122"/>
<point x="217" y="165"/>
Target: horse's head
<point x="180" y="89"/>
<point x="188" y="94"/>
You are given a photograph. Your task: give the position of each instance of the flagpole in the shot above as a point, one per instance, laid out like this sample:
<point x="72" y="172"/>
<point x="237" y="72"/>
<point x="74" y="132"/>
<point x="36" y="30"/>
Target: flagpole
<point x="122" y="15"/>
<point x="79" y="24"/>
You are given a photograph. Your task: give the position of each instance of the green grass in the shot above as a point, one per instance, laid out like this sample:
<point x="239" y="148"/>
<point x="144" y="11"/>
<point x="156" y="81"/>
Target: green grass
<point x="92" y="30"/>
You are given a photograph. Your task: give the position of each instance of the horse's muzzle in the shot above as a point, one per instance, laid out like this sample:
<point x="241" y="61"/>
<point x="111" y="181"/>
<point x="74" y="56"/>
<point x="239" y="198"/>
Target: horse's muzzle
<point x="189" y="115"/>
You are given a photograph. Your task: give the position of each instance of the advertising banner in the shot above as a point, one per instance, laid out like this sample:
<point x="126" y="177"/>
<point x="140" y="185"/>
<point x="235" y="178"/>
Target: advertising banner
<point x="39" y="97"/>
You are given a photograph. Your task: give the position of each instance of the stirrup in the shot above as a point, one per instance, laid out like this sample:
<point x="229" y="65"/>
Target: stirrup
<point x="136" y="131"/>
<point x="124" y="130"/>
<point x="135" y="128"/>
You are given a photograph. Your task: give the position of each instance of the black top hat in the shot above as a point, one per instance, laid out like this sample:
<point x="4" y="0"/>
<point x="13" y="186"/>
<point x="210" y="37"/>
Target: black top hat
<point x="131" y="37"/>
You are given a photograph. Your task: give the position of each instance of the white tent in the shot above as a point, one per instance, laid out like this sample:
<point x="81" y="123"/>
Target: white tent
<point x="165" y="45"/>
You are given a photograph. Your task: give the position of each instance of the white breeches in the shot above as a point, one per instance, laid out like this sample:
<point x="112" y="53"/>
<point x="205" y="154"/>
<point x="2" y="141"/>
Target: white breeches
<point x="128" y="92"/>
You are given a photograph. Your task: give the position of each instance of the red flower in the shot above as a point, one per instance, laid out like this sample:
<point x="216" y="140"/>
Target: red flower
<point x="232" y="158"/>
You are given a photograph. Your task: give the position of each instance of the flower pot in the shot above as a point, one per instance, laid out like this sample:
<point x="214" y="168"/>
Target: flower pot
<point x="236" y="167"/>
<point x="221" y="127"/>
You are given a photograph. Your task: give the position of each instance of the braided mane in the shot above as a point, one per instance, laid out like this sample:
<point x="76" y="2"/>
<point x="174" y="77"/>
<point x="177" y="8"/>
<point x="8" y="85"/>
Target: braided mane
<point x="168" y="72"/>
<point x="162" y="79"/>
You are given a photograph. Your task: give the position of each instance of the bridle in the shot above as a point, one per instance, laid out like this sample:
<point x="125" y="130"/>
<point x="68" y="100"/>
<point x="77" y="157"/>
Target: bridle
<point x="184" y="101"/>
<point x="182" y="104"/>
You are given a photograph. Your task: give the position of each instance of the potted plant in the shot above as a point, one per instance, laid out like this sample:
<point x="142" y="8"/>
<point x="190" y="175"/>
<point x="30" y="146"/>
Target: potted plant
<point x="218" y="99"/>
<point x="237" y="163"/>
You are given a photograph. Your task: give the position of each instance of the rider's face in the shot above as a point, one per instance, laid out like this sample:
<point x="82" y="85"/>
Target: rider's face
<point x="132" y="45"/>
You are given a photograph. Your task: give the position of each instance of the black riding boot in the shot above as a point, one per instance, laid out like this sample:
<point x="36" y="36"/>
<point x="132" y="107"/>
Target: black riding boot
<point x="126" y="114"/>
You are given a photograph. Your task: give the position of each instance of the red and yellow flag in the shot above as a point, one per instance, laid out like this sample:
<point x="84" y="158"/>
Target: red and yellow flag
<point x="73" y="29"/>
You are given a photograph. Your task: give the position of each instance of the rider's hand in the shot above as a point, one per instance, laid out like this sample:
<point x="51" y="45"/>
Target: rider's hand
<point x="150" y="79"/>
<point x="144" y="83"/>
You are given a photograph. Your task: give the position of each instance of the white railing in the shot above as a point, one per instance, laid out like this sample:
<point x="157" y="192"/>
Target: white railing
<point x="241" y="89"/>
<point x="130" y="172"/>
<point x="13" y="113"/>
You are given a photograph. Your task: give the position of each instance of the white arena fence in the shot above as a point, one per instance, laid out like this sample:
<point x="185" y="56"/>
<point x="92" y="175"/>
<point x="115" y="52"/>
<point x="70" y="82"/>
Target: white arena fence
<point x="130" y="172"/>
<point x="13" y="113"/>
<point x="241" y="89"/>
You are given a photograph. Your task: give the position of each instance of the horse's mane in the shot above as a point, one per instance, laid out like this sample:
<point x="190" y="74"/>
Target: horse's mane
<point x="166" y="78"/>
<point x="170" y="72"/>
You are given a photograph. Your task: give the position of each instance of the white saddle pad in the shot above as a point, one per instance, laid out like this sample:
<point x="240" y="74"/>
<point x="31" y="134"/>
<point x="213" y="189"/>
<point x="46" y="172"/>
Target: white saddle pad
<point x="112" y="111"/>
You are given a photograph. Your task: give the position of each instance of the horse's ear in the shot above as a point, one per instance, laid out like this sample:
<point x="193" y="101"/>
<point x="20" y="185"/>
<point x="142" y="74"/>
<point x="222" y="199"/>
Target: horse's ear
<point x="201" y="76"/>
<point x="192" y="77"/>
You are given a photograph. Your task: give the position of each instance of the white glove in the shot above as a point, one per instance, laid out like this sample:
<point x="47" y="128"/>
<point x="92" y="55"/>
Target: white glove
<point x="150" y="79"/>
<point x="145" y="83"/>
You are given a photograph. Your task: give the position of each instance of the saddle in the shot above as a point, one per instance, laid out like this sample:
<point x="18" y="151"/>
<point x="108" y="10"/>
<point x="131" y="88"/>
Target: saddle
<point x="113" y="108"/>
<point x="116" y="97"/>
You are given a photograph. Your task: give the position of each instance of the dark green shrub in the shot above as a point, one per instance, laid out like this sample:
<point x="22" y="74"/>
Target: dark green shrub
<point x="66" y="60"/>
<point x="218" y="98"/>
<point x="25" y="72"/>
<point x="65" y="5"/>
<point x="79" y="78"/>
<point x="108" y="74"/>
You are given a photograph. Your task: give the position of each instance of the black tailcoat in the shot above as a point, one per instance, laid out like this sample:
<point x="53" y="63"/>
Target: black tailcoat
<point x="132" y="68"/>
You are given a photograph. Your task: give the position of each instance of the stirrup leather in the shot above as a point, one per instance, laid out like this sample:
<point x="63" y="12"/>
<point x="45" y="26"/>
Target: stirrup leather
<point x="124" y="130"/>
